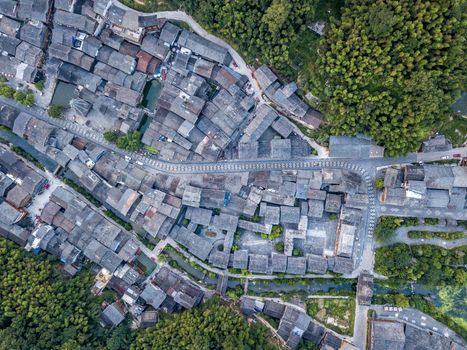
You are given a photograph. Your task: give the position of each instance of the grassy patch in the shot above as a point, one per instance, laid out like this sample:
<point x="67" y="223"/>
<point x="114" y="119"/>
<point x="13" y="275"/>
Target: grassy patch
<point x="110" y="214"/>
<point x="430" y="235"/>
<point x="272" y="321"/>
<point x="431" y="221"/>
<point x="172" y="250"/>
<point x="320" y="135"/>
<point x="82" y="191"/>
<point x="151" y="149"/>
<point x="336" y="314"/>
<point x="454" y="127"/>
<point x="303" y="55"/>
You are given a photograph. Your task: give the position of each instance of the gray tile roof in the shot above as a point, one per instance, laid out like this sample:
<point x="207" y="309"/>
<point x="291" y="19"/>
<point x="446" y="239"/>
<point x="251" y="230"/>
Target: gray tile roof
<point x="9" y="8"/>
<point x="219" y="259"/>
<point x="282" y="126"/>
<point x="67" y="54"/>
<point x="240" y="259"/>
<point x="199" y="216"/>
<point x="8" y="214"/>
<point x="9" y="44"/>
<point x="204" y="47"/>
<point x="29" y="54"/>
<point x="279" y="262"/>
<point x="153" y="295"/>
<point x="259" y="264"/>
<point x="281" y="148"/>
<point x="75" y="20"/>
<point x="333" y="203"/>
<point x="155" y="47"/>
<point x="387" y="335"/>
<point x="296" y="265"/>
<point x="169" y="33"/>
<point x="290" y="215"/>
<point x="78" y="76"/>
<point x="195" y="244"/>
<point x="316" y="264"/>
<point x="113" y="314"/>
<point x="265" y="76"/>
<point x="273" y="309"/>
<point x="9" y="26"/>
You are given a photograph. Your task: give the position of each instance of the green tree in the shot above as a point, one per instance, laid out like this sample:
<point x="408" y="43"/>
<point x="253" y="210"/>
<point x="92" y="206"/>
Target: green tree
<point x="55" y="111"/>
<point x="39" y="306"/>
<point x="379" y="183"/>
<point x="276" y="15"/>
<point x="29" y="100"/>
<point x="111" y="136"/>
<point x="391" y="69"/>
<point x="261" y="30"/>
<point x="297" y="252"/>
<point x="6" y="91"/>
<point x="211" y="326"/>
<point x="130" y="141"/>
<point x="279" y="247"/>
<point x="40" y="85"/>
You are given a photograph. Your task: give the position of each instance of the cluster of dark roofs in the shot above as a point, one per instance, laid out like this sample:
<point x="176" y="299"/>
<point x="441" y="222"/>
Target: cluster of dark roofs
<point x="429" y="186"/>
<point x="202" y="103"/>
<point x="270" y="135"/>
<point x="395" y="335"/>
<point x="109" y="52"/>
<point x="19" y="183"/>
<point x="286" y="98"/>
<point x="294" y="324"/>
<point x="23" y="33"/>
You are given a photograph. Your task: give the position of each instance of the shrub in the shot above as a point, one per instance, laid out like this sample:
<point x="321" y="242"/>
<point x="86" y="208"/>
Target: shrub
<point x="55" y="111"/>
<point x="379" y="183"/>
<point x="6" y="91"/>
<point x="431" y="221"/>
<point x="111" y="136"/>
<point x="297" y="252"/>
<point x="130" y="141"/>
<point x="40" y="85"/>
<point x="279" y="247"/>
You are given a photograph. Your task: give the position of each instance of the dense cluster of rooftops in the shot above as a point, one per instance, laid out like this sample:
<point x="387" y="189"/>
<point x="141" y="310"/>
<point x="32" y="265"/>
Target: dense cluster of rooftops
<point x="108" y="53"/>
<point x="205" y="108"/>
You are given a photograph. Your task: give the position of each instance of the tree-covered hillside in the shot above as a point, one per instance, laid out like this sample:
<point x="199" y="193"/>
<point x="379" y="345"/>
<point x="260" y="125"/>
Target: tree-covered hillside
<point x="211" y="326"/>
<point x="392" y="68"/>
<point x="262" y="30"/>
<point x="41" y="309"/>
<point x="37" y="308"/>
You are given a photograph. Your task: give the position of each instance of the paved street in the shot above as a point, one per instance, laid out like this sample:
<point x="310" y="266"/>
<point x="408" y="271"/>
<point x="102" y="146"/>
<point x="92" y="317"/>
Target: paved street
<point x="360" y="326"/>
<point x="392" y="210"/>
<point x="417" y="319"/>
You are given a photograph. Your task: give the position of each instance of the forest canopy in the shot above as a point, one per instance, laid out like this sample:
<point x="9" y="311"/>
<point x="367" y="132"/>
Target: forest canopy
<point x="391" y="69"/>
<point x="426" y="264"/>
<point x="261" y="29"/>
<point x="41" y="309"/>
<point x="211" y="326"/>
